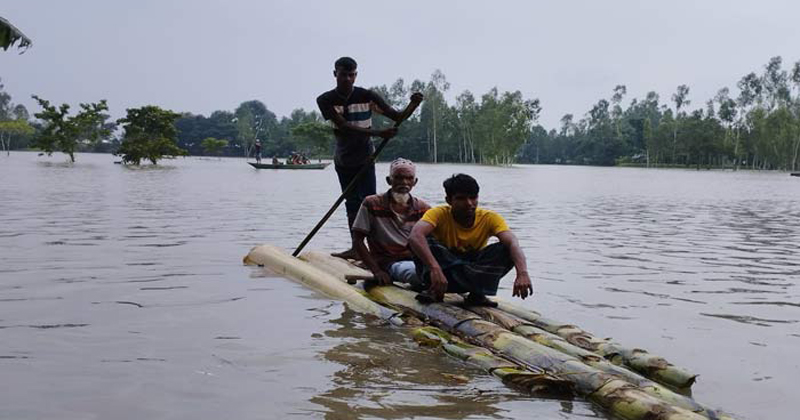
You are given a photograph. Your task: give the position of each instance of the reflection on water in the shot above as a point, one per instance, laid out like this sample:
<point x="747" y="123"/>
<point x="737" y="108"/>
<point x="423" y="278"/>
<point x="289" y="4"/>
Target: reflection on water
<point x="385" y="374"/>
<point x="122" y="293"/>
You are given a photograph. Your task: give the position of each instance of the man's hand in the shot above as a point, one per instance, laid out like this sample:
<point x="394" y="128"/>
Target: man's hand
<point x="522" y="285"/>
<point x="388" y="133"/>
<point x="382" y="277"/>
<point x="438" y="283"/>
<point x="416" y="98"/>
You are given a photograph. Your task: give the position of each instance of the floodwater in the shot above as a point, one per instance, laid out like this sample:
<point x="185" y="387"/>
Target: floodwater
<point x="123" y="295"/>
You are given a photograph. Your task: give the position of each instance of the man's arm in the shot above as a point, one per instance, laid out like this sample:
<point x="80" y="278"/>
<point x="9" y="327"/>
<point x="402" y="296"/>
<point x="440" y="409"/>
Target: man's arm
<point x="345" y="126"/>
<point x="393" y="114"/>
<point x="522" y="284"/>
<point x="419" y="246"/>
<point x="358" y="243"/>
<point x="326" y="108"/>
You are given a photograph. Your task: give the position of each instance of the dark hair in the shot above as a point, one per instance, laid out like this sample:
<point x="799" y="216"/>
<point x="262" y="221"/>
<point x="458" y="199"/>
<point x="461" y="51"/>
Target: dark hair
<point x="461" y="184"/>
<point x="346" y="63"/>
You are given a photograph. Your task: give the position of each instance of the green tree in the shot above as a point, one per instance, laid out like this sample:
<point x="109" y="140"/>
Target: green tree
<point x="5" y="103"/>
<point x="212" y="146"/>
<point x="776" y="84"/>
<point x="432" y="109"/>
<point x="314" y="135"/>
<point x="65" y="133"/>
<point x="601" y="146"/>
<point x="503" y="124"/>
<point x="218" y="125"/>
<point x="9" y="129"/>
<point x="466" y="110"/>
<point x="680" y="98"/>
<point x="150" y="134"/>
<point x="254" y="121"/>
<point x="647" y="136"/>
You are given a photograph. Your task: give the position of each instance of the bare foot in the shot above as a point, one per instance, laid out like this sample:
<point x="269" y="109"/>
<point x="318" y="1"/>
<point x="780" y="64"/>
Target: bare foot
<point x="350" y="254"/>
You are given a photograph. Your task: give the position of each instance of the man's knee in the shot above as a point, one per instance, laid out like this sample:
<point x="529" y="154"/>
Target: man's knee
<point x="497" y="254"/>
<point x="405" y="272"/>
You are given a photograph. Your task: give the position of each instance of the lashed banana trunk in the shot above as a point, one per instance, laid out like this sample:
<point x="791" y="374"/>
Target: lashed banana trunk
<point x="594" y="360"/>
<point x="649" y="365"/>
<point x="281" y="262"/>
<point x="610" y="390"/>
<point x="537" y="382"/>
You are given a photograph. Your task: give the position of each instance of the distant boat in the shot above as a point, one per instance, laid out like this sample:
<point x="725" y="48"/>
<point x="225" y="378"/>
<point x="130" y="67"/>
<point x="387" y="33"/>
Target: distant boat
<point x="795" y="174"/>
<point x="288" y="166"/>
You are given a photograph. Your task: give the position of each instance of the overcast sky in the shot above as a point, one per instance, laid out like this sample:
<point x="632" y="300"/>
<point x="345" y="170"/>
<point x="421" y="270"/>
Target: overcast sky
<point x="202" y="55"/>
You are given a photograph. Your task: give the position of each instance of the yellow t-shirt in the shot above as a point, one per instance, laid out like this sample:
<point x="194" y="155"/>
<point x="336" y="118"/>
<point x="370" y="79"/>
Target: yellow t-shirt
<point x="452" y="235"/>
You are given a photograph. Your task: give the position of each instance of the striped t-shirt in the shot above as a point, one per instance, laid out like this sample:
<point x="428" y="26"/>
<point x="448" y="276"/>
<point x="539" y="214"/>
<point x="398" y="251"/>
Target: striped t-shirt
<point x="387" y="232"/>
<point x="352" y="149"/>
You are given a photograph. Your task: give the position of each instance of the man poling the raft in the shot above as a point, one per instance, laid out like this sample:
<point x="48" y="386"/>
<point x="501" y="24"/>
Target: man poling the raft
<point x="349" y="109"/>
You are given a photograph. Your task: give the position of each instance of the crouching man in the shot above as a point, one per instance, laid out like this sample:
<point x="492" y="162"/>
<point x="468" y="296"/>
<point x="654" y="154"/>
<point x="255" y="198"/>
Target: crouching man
<point x="449" y="244"/>
<point x="385" y="221"/>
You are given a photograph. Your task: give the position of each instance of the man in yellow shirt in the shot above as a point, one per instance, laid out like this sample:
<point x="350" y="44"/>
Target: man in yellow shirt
<point x="449" y="245"/>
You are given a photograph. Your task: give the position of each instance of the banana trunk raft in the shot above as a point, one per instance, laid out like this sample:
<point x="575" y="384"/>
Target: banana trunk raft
<point x="518" y="346"/>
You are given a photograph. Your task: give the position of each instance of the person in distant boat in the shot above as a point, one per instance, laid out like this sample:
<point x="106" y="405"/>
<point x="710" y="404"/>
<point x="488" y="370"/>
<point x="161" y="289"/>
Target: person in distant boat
<point x="257" y="151"/>
<point x="275" y="160"/>
<point x="451" y="253"/>
<point x="349" y="109"/>
<point x="385" y="221"/>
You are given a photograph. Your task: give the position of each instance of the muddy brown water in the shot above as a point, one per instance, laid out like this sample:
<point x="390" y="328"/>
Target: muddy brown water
<point x="122" y="293"/>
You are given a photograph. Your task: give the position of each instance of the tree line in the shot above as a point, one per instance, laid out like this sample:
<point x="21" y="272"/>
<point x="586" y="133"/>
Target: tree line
<point x="756" y="127"/>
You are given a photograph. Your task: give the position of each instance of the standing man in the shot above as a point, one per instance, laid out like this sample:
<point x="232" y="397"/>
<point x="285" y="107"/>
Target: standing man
<point x="349" y="109"/>
<point x="257" y="151"/>
<point x="455" y="258"/>
<point x="385" y="221"/>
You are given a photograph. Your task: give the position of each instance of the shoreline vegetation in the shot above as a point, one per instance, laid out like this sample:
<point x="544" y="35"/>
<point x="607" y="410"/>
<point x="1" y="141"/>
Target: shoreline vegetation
<point x="757" y="127"/>
<point x="729" y="168"/>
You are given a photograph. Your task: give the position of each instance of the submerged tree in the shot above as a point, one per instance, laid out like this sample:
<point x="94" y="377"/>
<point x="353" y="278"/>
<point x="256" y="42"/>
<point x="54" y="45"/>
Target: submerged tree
<point x="212" y="146"/>
<point x="9" y="129"/>
<point x="149" y="134"/>
<point x="64" y="133"/>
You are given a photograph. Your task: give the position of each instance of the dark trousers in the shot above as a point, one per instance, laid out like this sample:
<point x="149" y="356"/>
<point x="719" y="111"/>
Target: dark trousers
<point x="365" y="186"/>
<point x="478" y="271"/>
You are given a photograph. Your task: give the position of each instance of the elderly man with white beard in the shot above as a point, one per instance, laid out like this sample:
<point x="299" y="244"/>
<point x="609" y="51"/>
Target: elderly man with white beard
<point x="385" y="221"/>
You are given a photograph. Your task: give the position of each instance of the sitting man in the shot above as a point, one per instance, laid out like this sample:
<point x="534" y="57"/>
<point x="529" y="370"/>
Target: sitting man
<point x="455" y="258"/>
<point x="385" y="220"/>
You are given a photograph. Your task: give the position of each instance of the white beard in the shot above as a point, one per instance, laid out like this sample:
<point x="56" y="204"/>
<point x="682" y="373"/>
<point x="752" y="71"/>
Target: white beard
<point x="400" y="198"/>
